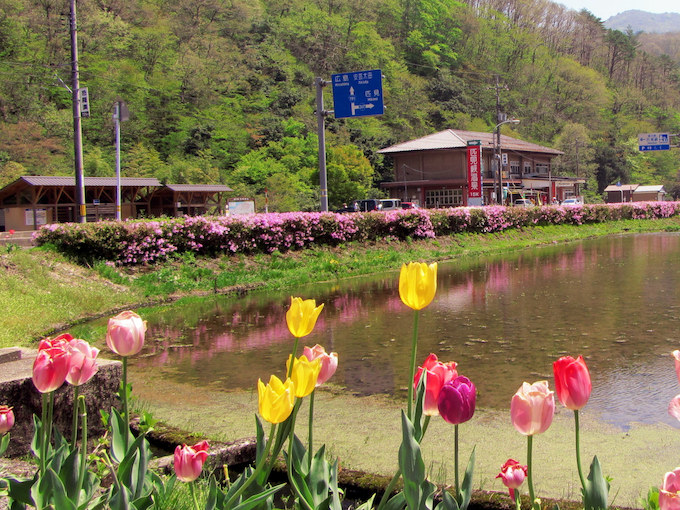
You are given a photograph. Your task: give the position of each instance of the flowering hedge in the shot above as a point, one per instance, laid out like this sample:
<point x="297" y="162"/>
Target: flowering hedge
<point x="147" y="241"/>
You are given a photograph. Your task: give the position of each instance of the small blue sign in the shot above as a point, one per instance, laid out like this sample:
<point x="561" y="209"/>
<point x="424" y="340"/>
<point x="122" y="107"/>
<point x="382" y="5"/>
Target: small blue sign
<point x="654" y="142"/>
<point x="357" y="94"/>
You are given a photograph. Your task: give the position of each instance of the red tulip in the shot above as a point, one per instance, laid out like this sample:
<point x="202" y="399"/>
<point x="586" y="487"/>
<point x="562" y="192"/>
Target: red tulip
<point x="189" y="460"/>
<point x="11" y="231"/>
<point x="457" y="400"/>
<point x="512" y="475"/>
<point x="532" y="408"/>
<point x="674" y="407"/>
<point x="50" y="368"/>
<point x="329" y="362"/>
<point x="6" y="419"/>
<point x="669" y="493"/>
<point x="125" y="333"/>
<point x="572" y="382"/>
<point x="438" y="374"/>
<point x="82" y="362"/>
<point x="676" y="355"/>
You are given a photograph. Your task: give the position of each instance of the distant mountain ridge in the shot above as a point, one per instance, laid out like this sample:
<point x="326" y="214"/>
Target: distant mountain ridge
<point x="642" y="21"/>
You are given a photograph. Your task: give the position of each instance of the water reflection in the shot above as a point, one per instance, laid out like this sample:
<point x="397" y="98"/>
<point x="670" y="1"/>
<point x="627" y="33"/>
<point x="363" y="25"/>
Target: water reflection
<point x="504" y="320"/>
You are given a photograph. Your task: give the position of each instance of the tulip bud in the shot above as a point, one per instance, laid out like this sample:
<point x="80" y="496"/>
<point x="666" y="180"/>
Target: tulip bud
<point x="457" y="400"/>
<point x="50" y="368"/>
<point x="329" y="362"/>
<point x="669" y="493"/>
<point x="125" y="333"/>
<point x="276" y="399"/>
<point x="301" y="316"/>
<point x="417" y="284"/>
<point x="82" y="362"/>
<point x="572" y="382"/>
<point x="189" y="461"/>
<point x="438" y="374"/>
<point x="532" y="408"/>
<point x="512" y="475"/>
<point x="6" y="419"/>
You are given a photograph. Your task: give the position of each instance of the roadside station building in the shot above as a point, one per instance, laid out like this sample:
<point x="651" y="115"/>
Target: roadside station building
<point x="31" y="201"/>
<point x="432" y="171"/>
<point x="616" y="193"/>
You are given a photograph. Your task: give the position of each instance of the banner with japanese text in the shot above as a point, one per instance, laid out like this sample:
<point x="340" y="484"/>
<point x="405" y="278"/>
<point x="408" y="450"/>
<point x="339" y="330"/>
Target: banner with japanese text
<point x="474" y="169"/>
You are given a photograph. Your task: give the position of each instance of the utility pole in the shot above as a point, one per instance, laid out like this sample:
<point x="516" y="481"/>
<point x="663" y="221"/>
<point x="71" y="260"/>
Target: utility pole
<point x="77" y="129"/>
<point x="321" y="131"/>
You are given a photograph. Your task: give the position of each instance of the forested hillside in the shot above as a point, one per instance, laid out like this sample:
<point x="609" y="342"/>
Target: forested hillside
<point x="222" y="91"/>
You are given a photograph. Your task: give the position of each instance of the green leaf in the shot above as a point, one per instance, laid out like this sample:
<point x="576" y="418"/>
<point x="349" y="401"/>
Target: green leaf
<point x="120" y="429"/>
<point x="35" y="442"/>
<point x="20" y="490"/>
<point x="255" y="500"/>
<point x="448" y="502"/>
<point x="396" y="502"/>
<point x="49" y="490"/>
<point x="596" y="489"/>
<point x="418" y="410"/>
<point x="466" y="486"/>
<point x="4" y="443"/>
<point x="69" y="474"/>
<point x="259" y="442"/>
<point x="411" y="464"/>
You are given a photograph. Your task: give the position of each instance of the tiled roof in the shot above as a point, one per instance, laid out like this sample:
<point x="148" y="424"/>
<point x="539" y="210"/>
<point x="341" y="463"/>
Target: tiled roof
<point x="457" y="139"/>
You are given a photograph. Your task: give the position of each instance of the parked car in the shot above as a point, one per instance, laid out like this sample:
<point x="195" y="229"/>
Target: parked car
<point x="572" y="201"/>
<point x="390" y="204"/>
<point x="409" y="205"/>
<point x="523" y="202"/>
<point x="370" y="204"/>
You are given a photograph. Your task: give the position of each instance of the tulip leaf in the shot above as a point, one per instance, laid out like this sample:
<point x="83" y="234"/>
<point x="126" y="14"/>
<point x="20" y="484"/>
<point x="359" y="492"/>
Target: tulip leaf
<point x="411" y="464"/>
<point x="396" y="502"/>
<point x="120" y="436"/>
<point x="466" y="486"/>
<point x="259" y="442"/>
<point x="120" y="500"/>
<point x="49" y="490"/>
<point x="20" y="490"/>
<point x="69" y="474"/>
<point x="35" y="442"/>
<point x="596" y="489"/>
<point x="319" y="477"/>
<point x="448" y="502"/>
<point x="4" y="443"/>
<point x="368" y="505"/>
<point x="255" y="500"/>
<point x="418" y="409"/>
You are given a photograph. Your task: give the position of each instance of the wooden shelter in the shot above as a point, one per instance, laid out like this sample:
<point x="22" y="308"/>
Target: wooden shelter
<point x="31" y="201"/>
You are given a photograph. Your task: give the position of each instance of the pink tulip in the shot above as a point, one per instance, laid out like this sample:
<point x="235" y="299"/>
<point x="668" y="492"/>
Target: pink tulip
<point x="438" y="374"/>
<point x="512" y="475"/>
<point x="669" y="493"/>
<point x="6" y="419"/>
<point x="676" y="355"/>
<point x="572" y="382"/>
<point x="457" y="400"/>
<point x="674" y="407"/>
<point x="82" y="362"/>
<point x="532" y="408"/>
<point x="60" y="341"/>
<point x="329" y="362"/>
<point x="189" y="460"/>
<point x="50" y="368"/>
<point x="125" y="333"/>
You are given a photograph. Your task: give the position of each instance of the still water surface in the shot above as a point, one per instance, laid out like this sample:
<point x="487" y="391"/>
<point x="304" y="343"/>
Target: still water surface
<point x="504" y="320"/>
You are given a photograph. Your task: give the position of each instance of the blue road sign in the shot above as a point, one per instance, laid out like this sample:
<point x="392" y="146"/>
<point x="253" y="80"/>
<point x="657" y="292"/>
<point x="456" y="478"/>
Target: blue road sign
<point x="654" y="142"/>
<point x="357" y="94"/>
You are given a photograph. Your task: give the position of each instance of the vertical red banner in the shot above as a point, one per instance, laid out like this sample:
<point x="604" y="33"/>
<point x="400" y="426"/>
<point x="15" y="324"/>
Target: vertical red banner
<point x="474" y="169"/>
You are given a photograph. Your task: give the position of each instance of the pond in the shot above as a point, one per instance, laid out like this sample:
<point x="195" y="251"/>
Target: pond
<point x="504" y="320"/>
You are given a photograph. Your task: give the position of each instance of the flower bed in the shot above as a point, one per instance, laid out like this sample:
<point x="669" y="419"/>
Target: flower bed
<point x="147" y="241"/>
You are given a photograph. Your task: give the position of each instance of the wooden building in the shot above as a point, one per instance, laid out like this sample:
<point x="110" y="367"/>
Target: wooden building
<point x="615" y="193"/>
<point x="432" y="171"/>
<point x="31" y="201"/>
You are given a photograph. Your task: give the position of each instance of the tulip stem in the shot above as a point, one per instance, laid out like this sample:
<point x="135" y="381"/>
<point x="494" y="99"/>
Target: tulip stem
<point x="414" y="347"/>
<point x="455" y="462"/>
<point x="50" y="419"/>
<point x="43" y="434"/>
<point x="530" y="473"/>
<point x="292" y="358"/>
<point x="258" y="470"/>
<point x="193" y="495"/>
<point x="310" y="438"/>
<point x="124" y="393"/>
<point x="388" y="490"/>
<point x="74" y="427"/>
<point x="578" y="450"/>
<point x="80" y="405"/>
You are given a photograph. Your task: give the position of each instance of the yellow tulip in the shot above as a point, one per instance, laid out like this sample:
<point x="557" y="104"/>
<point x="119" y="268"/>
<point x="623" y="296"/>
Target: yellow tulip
<point x="301" y="316"/>
<point x="276" y="399"/>
<point x="418" y="284"/>
<point x="304" y="375"/>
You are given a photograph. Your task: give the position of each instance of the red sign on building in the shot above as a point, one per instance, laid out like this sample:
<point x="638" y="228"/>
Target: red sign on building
<point x="474" y="168"/>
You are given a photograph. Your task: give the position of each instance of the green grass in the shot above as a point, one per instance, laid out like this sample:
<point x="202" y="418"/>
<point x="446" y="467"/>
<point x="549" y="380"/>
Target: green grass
<point x="42" y="292"/>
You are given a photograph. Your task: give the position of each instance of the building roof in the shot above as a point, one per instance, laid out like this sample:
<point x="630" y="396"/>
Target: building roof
<point x="62" y="180"/>
<point x="650" y="189"/>
<point x="213" y="188"/>
<point x="622" y="187"/>
<point x="457" y="139"/>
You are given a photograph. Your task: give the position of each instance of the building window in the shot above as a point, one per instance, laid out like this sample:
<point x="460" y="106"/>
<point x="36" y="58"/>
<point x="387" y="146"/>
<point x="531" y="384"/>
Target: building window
<point x="542" y="168"/>
<point x="527" y="168"/>
<point x="514" y="168"/>
<point x="443" y="197"/>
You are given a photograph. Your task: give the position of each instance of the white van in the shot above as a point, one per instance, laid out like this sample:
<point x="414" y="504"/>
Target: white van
<point x="390" y="204"/>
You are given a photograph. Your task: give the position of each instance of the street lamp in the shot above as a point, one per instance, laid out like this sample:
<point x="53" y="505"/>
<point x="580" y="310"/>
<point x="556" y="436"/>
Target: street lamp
<point x="498" y="182"/>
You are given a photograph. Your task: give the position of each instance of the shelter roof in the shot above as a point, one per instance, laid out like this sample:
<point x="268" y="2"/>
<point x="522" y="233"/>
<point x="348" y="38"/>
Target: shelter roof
<point x="63" y="180"/>
<point x="212" y="188"/>
<point x="622" y="187"/>
<point x="458" y="139"/>
<point x="650" y="189"/>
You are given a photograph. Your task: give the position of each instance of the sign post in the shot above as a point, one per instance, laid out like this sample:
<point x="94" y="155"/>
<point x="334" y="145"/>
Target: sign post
<point x="474" y="172"/>
<point x="654" y="142"/>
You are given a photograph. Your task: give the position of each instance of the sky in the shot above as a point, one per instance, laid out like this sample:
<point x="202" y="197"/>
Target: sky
<point x="605" y="9"/>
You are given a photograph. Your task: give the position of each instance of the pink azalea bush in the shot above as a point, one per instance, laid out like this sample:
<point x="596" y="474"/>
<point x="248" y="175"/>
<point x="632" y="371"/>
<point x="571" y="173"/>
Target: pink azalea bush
<point x="147" y="241"/>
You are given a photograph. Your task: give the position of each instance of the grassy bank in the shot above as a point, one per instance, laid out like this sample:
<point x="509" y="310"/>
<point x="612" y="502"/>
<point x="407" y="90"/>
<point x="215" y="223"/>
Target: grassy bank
<point x="41" y="291"/>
